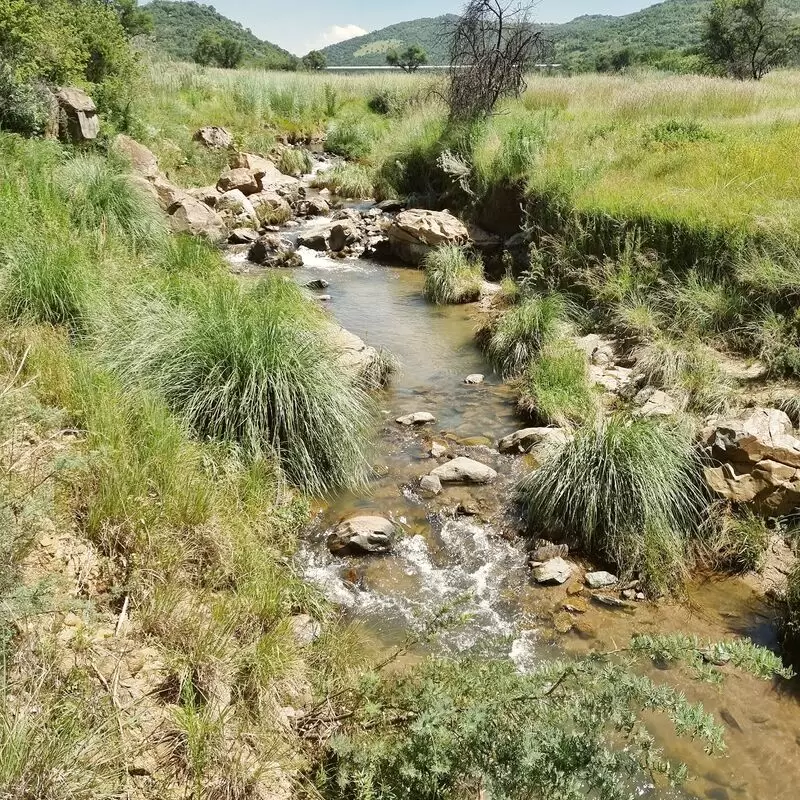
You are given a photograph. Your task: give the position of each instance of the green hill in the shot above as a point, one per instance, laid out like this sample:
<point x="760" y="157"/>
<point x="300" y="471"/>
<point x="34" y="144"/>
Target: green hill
<point x="179" y="25"/>
<point x="673" y="26"/>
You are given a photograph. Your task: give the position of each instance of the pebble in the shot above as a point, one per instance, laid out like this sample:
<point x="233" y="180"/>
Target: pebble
<point x="438" y="450"/>
<point x="474" y="380"/>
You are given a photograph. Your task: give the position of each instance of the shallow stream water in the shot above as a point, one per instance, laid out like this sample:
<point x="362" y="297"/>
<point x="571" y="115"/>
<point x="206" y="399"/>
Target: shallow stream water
<point x="444" y="555"/>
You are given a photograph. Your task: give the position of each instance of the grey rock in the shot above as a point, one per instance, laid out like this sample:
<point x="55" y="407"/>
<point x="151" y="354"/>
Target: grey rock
<point x="242" y="179"/>
<point x="390" y="206"/>
<point x="474" y="380"/>
<point x="608" y="600"/>
<point x="601" y="580"/>
<point x="464" y="470"/>
<point x="306" y="629"/>
<point x="313" y="241"/>
<point x="78" y="115"/>
<point x="417" y="418"/>
<point x="438" y="450"/>
<point x="556" y="570"/>
<point x="273" y="251"/>
<point x="341" y="236"/>
<point x="196" y="218"/>
<point x="545" y="551"/>
<point x="243" y="236"/>
<point x="528" y="439"/>
<point x="142" y="160"/>
<point x="430" y="486"/>
<point x="362" y="535"/>
<point x="214" y="137"/>
<point x="319" y="283"/>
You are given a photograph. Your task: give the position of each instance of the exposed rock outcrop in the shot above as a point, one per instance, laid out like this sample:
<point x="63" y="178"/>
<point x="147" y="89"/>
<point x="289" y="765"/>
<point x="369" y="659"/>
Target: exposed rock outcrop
<point x="191" y="216"/>
<point x="78" y="115"/>
<point x="214" y="137"/>
<point x="274" y="251"/>
<point x="414" y="233"/>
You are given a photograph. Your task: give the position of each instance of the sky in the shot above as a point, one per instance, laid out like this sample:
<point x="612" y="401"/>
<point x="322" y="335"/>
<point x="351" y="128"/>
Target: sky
<point x="305" y="25"/>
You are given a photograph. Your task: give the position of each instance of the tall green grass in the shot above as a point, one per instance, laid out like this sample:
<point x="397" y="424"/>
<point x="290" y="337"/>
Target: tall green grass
<point x="629" y="490"/>
<point x="250" y="367"/>
<point x="452" y="275"/>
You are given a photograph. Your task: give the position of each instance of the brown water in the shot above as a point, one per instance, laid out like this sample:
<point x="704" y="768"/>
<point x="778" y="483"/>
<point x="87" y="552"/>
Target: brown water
<point x="443" y="556"/>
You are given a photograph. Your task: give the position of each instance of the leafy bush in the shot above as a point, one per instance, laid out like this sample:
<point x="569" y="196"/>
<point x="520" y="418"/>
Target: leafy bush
<point x="295" y="161"/>
<point x="629" y="490"/>
<point x="452" y="275"/>
<point x="351" y="138"/>
<point x="26" y="107"/>
<point x="514" y="339"/>
<point x="251" y="367"/>
<point x="346" y="180"/>
<point x="102" y="198"/>
<point x="675" y="132"/>
<point x="555" y="387"/>
<point x="385" y="102"/>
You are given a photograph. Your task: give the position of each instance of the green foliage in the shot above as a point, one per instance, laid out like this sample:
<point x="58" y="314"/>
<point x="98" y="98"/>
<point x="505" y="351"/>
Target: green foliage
<point x="746" y="39"/>
<point x="792" y="623"/>
<point x="675" y="132"/>
<point x="629" y="490"/>
<point x="452" y="275"/>
<point x="25" y="106"/>
<point x="224" y="51"/>
<point x="178" y="28"/>
<point x="315" y="61"/>
<point x="352" y="137"/>
<point x="736" y="542"/>
<point x="385" y="102"/>
<point x="516" y="338"/>
<point x="555" y="388"/>
<point x="453" y="728"/>
<point x="250" y="367"/>
<point x="295" y="161"/>
<point x="346" y="180"/>
<point x="409" y="60"/>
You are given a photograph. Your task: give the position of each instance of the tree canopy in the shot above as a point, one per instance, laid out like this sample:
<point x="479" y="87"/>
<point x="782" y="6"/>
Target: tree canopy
<point x="409" y="60"/>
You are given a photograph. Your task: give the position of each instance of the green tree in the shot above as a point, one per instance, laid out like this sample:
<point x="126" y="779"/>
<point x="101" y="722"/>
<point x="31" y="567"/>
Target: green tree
<point x="746" y="39"/>
<point x="135" y="20"/>
<point x="230" y="53"/>
<point x="205" y="52"/>
<point x="315" y="60"/>
<point x="409" y="60"/>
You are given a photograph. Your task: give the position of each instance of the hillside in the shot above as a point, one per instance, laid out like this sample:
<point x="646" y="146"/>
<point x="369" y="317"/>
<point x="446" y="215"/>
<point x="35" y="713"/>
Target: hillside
<point x="673" y="25"/>
<point x="179" y="25"/>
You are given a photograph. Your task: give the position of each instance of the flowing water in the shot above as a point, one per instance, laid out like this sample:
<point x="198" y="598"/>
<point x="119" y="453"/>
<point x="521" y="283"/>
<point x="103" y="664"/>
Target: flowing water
<point x="444" y="555"/>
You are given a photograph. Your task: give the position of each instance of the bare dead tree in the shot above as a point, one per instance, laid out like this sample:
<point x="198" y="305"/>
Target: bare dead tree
<point x="492" y="46"/>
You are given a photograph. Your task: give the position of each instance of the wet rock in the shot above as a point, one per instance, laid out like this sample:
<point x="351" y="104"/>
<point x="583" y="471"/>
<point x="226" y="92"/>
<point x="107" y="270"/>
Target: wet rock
<point x="430" y="486"/>
<point x="324" y="298"/>
<point x="197" y="219"/>
<point x="759" y="461"/>
<point x="474" y="380"/>
<point x="390" y="206"/>
<point x="242" y="180"/>
<point x="364" y="363"/>
<point x="629" y="594"/>
<point x="554" y="571"/>
<point x="416" y="232"/>
<point x="274" y="251"/>
<point x="609" y="600"/>
<point x="529" y="439"/>
<point x="306" y="629"/>
<point x="563" y="623"/>
<point x="236" y="209"/>
<point x="313" y="207"/>
<point x="475" y="441"/>
<point x="362" y="535"/>
<point x="342" y="235"/>
<point x="214" y="137"/>
<point x="438" y="450"/>
<point x="78" y="115"/>
<point x="465" y="470"/>
<point x="319" y="283"/>
<point x="545" y="551"/>
<point x="141" y="159"/>
<point x="313" y="241"/>
<point x="577" y="605"/>
<point x="574" y="589"/>
<point x="417" y="418"/>
<point x="601" y="580"/>
<point x="243" y="236"/>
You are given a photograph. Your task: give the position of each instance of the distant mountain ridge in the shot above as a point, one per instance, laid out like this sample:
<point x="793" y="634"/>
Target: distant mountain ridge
<point x="670" y="26"/>
<point x="177" y="27"/>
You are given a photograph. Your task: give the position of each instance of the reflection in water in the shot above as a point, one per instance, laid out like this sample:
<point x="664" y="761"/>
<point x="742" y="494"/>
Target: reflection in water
<point x="440" y="558"/>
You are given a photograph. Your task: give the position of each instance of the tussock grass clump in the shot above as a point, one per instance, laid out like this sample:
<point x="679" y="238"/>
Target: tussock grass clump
<point x="47" y="280"/>
<point x="736" y="543"/>
<point x="629" y="490"/>
<point x="104" y="199"/>
<point x="514" y="339"/>
<point x="346" y="180"/>
<point x="295" y="161"/>
<point x="189" y="257"/>
<point x="250" y="367"/>
<point x="452" y="275"/>
<point x="352" y="138"/>
<point x="792" y="623"/>
<point x="555" y="387"/>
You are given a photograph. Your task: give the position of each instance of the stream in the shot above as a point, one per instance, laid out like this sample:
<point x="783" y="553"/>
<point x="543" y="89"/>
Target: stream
<point x="464" y="544"/>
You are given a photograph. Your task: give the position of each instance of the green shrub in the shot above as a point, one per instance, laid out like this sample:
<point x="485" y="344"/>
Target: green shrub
<point x="351" y="138"/>
<point x="675" y="132"/>
<point x="555" y="387"/>
<point x="189" y="256"/>
<point x="25" y="106"/>
<point x="346" y="180"/>
<point x="705" y="306"/>
<point x="103" y="199"/>
<point x="629" y="490"/>
<point x="514" y="339"/>
<point x="385" y="102"/>
<point x="251" y="367"/>
<point x="452" y="275"/>
<point x="737" y="543"/>
<point x="47" y="278"/>
<point x="295" y="161"/>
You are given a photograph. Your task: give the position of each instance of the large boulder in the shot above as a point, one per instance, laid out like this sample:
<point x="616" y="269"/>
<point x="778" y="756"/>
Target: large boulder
<point x="78" y="115"/>
<point x="529" y="439"/>
<point x="274" y="251"/>
<point x="141" y="159"/>
<point x="362" y="535"/>
<point x="343" y="234"/>
<point x="414" y="233"/>
<point x="464" y="470"/>
<point x="166" y="193"/>
<point x="236" y="209"/>
<point x="269" y="177"/>
<point x="214" y="137"/>
<point x="242" y="180"/>
<point x="271" y="208"/>
<point x="757" y="460"/>
<point x="363" y="363"/>
<point x="191" y="216"/>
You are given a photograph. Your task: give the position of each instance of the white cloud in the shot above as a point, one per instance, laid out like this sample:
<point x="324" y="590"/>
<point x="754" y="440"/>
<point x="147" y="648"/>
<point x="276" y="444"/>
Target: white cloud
<point x="338" y="33"/>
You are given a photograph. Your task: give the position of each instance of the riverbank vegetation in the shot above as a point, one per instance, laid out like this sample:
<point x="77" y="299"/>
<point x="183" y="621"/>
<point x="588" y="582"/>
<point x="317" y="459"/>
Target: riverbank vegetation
<point x="452" y="275"/>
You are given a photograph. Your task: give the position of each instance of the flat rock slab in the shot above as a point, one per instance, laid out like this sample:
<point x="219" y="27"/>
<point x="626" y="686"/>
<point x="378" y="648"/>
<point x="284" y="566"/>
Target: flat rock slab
<point x="601" y="580"/>
<point x="527" y="439"/>
<point x="464" y="470"/>
<point x="417" y="418"/>
<point x="362" y="535"/>
<point x="556" y="570"/>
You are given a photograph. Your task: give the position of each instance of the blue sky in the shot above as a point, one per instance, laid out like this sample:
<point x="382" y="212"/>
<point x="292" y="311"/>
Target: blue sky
<point x="303" y="25"/>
